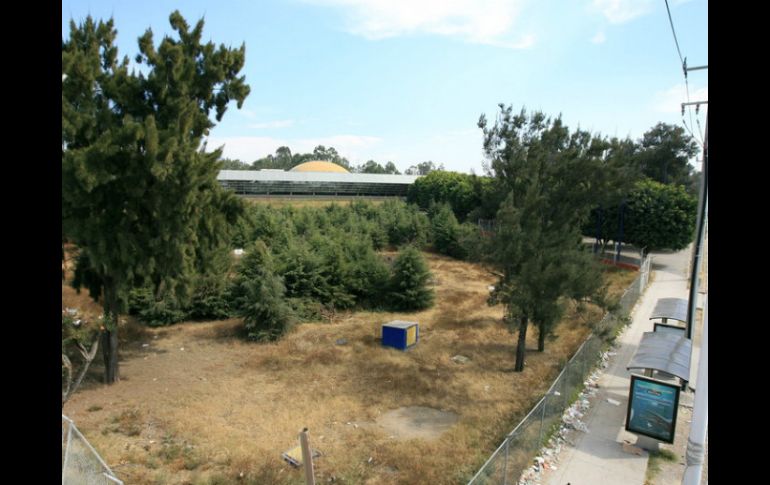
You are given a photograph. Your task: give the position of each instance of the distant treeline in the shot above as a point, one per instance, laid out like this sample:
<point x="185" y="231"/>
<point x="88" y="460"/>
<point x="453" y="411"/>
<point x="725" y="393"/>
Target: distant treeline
<point x="284" y="159"/>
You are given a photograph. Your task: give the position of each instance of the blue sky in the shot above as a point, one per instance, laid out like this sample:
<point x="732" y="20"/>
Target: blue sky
<point x="406" y="80"/>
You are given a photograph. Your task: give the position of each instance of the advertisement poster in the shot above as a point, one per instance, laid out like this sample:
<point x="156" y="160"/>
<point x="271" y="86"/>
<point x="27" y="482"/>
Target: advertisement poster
<point x="652" y="408"/>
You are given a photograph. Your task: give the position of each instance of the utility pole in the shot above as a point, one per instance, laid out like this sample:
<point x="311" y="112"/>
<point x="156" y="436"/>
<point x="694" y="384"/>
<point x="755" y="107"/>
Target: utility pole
<point x="696" y="443"/>
<point x="699" y="232"/>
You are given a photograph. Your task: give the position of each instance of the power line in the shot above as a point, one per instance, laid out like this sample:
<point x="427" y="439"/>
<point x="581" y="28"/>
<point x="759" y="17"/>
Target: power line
<point x="683" y="60"/>
<point x="687" y="88"/>
<point x="673" y="31"/>
<point x="694" y="137"/>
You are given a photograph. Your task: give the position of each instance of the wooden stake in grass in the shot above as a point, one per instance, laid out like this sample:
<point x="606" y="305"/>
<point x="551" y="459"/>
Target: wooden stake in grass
<point x="307" y="458"/>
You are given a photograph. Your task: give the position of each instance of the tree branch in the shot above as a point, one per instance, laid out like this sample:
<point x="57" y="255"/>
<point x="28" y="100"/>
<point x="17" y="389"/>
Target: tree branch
<point x="89" y="357"/>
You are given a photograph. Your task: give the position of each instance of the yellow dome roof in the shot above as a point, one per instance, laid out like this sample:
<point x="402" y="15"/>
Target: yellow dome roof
<point x="318" y="166"/>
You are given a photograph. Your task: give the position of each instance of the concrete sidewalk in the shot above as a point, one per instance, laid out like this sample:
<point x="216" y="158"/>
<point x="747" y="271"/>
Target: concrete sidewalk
<point x="597" y="456"/>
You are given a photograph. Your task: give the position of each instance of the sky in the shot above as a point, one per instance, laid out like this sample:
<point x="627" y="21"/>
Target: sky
<point x="407" y="80"/>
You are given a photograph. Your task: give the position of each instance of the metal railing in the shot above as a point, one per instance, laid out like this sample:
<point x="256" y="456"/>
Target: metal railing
<point x="80" y="463"/>
<point x="521" y="445"/>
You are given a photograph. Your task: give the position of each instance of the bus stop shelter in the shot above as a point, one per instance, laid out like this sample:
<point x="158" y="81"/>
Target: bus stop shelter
<point x="673" y="308"/>
<point x="664" y="352"/>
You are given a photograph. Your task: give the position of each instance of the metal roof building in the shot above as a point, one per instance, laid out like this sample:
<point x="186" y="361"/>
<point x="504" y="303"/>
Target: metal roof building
<point x="298" y="182"/>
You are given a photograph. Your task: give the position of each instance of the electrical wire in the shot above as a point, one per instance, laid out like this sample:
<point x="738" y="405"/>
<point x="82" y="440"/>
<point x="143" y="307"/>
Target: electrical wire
<point x="686" y="83"/>
<point x="673" y="31"/>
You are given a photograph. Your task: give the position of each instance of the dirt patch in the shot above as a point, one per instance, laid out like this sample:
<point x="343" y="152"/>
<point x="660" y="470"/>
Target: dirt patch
<point x="417" y="422"/>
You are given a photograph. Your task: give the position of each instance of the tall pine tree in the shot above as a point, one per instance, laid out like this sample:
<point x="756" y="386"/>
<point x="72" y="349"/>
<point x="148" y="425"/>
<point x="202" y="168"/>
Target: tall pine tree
<point x="552" y="179"/>
<point x="139" y="191"/>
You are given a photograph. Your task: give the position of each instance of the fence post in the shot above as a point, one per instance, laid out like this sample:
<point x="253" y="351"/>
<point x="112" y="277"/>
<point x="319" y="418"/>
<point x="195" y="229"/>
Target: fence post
<point x="307" y="458"/>
<point x="542" y="423"/>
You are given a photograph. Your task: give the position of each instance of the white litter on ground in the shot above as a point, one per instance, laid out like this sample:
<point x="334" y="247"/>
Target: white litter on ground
<point x="571" y="420"/>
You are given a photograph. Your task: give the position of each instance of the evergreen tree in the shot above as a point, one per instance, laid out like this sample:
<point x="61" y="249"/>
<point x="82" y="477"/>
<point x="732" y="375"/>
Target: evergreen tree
<point x="139" y="193"/>
<point x="368" y="275"/>
<point x="445" y="231"/>
<point x="550" y="177"/>
<point x="409" y="289"/>
<point x="260" y="297"/>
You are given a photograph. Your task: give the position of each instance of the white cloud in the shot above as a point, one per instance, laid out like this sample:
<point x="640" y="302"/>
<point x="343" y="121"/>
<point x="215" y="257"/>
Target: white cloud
<point x="670" y="101"/>
<point x="249" y="148"/>
<point x="599" y="38"/>
<point x="621" y="11"/>
<point x="478" y="21"/>
<point x="272" y="124"/>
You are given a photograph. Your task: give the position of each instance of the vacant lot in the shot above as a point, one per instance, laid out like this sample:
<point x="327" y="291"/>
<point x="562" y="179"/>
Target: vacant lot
<point x="197" y="404"/>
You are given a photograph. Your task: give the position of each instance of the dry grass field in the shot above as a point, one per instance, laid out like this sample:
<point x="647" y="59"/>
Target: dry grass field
<point x="199" y="405"/>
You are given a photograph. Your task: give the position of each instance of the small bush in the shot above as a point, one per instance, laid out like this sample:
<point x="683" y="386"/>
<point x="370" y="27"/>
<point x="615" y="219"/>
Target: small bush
<point x="260" y="297"/>
<point x="446" y="231"/>
<point x="209" y="300"/>
<point x="141" y="303"/>
<point x="306" y="308"/>
<point x="161" y="313"/>
<point x="409" y="288"/>
<point x="139" y="299"/>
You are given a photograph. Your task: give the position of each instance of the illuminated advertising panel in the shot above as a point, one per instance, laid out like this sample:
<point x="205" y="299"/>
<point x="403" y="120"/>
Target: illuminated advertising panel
<point x="652" y="408"/>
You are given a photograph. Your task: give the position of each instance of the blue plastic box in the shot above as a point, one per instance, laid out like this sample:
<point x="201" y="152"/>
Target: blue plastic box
<point x="400" y="335"/>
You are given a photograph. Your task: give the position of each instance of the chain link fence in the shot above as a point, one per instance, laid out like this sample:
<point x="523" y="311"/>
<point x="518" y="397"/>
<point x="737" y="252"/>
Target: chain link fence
<point x="515" y="454"/>
<point x="80" y="463"/>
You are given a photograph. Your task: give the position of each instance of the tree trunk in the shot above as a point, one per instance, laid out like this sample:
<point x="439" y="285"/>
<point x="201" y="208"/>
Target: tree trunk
<point x="110" y="354"/>
<point x="541" y="338"/>
<point x="521" y="347"/>
<point x="110" y="335"/>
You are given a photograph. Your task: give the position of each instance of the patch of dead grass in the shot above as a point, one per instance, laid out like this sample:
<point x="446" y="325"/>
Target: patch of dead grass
<point x="240" y="404"/>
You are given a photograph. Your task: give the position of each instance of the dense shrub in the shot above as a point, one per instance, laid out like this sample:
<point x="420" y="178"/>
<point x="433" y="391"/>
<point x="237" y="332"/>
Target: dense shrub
<point x="155" y="313"/>
<point x="471" y="197"/>
<point x="368" y="276"/>
<point x="209" y="300"/>
<point x="655" y="216"/>
<point x="139" y="299"/>
<point x="453" y="188"/>
<point x="409" y="284"/>
<point x="404" y="224"/>
<point x="161" y="313"/>
<point x="446" y="231"/>
<point x="307" y="263"/>
<point x="473" y="246"/>
<point x="260" y="297"/>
